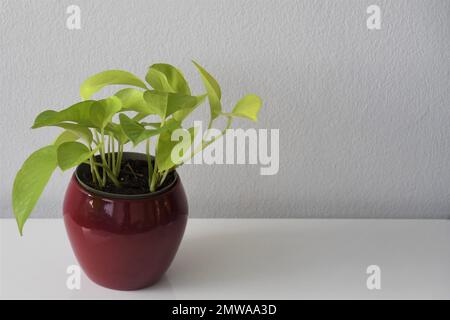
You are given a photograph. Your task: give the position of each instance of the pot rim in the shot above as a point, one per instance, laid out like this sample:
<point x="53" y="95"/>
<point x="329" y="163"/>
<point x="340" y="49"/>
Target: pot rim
<point x="110" y="195"/>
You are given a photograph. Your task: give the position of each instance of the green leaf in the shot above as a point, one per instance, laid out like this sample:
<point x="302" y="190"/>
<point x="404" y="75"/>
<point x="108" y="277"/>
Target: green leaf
<point x="158" y="101"/>
<point x="89" y="113"/>
<point x="137" y="133"/>
<point x="102" y="111"/>
<point x="248" y="107"/>
<point x="30" y="182"/>
<point x="167" y="104"/>
<point x="79" y="113"/>
<point x="192" y="104"/>
<point x="166" y="78"/>
<point x="164" y="151"/>
<point x="115" y="130"/>
<point x="133" y="100"/>
<point x="110" y="77"/>
<point x="213" y="91"/>
<point x="46" y="118"/>
<point x="66" y="136"/>
<point x="71" y="154"/>
<point x="166" y="145"/>
<point x="132" y="129"/>
<point x="78" y="131"/>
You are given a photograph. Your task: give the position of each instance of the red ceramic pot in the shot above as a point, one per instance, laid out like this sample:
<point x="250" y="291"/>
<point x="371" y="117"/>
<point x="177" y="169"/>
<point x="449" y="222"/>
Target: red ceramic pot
<point x="125" y="242"/>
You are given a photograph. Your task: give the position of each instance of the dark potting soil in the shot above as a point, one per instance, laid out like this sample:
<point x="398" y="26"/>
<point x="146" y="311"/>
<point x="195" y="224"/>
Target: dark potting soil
<point x="133" y="178"/>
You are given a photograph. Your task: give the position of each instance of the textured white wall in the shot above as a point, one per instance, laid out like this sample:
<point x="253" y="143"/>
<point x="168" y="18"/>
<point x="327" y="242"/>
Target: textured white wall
<point x="364" y="116"/>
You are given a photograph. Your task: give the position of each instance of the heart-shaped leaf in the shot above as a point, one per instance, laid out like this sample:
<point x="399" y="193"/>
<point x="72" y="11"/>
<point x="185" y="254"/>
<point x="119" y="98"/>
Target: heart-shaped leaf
<point x="167" y="104"/>
<point x="93" y="114"/>
<point x="248" y="107"/>
<point x="71" y="154"/>
<point x="133" y="100"/>
<point x="165" y="146"/>
<point x="31" y="180"/>
<point x="166" y="78"/>
<point x="189" y="105"/>
<point x="157" y="101"/>
<point x="213" y="91"/>
<point x="110" y="77"/>
<point x="66" y="136"/>
<point x="46" y="118"/>
<point x="134" y="130"/>
<point x="115" y="130"/>
<point x="103" y="110"/>
<point x="137" y="133"/>
<point x="79" y="113"/>
<point x="164" y="151"/>
<point x="77" y="130"/>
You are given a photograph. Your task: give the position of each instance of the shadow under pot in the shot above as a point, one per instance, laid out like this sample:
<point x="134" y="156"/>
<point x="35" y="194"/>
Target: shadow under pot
<point x="124" y="242"/>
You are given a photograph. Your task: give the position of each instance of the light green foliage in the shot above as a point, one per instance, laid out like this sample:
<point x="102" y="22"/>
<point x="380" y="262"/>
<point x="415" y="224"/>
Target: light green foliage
<point x="79" y="113"/>
<point x="187" y="105"/>
<point x="169" y="145"/>
<point x="213" y="91"/>
<point x="31" y="181"/>
<point x="71" y="154"/>
<point x="92" y="136"/>
<point x="166" y="78"/>
<point x="66" y="136"/>
<point x="115" y="131"/>
<point x="137" y="132"/>
<point x="77" y="131"/>
<point x="102" y="111"/>
<point x="164" y="147"/>
<point x="93" y="114"/>
<point x="165" y="104"/>
<point x="248" y="107"/>
<point x="106" y="78"/>
<point x="133" y="100"/>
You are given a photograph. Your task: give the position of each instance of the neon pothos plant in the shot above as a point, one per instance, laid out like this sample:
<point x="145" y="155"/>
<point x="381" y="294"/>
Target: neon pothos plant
<point x="91" y="136"/>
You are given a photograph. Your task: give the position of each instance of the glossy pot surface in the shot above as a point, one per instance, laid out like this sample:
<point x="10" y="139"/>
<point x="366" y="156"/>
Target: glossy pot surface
<point x="125" y="244"/>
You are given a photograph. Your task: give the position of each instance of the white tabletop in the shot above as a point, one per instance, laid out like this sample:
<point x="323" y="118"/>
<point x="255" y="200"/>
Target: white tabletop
<point x="251" y="259"/>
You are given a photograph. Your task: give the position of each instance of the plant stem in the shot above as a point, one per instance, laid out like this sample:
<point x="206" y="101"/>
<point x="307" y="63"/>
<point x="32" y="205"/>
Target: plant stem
<point x="149" y="162"/>
<point x="154" y="179"/>
<point x="109" y="152"/>
<point x="119" y="160"/>
<point x="155" y="176"/>
<point x="91" y="164"/>
<point x="164" y="177"/>
<point x="109" y="173"/>
<point x="113" y="154"/>
<point x="112" y="177"/>
<point x="94" y="171"/>
<point x="99" y="146"/>
<point x="102" y="154"/>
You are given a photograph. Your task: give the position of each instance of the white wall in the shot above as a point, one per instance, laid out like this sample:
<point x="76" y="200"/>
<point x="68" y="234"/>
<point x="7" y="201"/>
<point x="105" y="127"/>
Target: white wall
<point x="364" y="116"/>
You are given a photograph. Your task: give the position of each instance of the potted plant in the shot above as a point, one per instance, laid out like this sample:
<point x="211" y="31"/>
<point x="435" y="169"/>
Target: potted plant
<point x="125" y="212"/>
